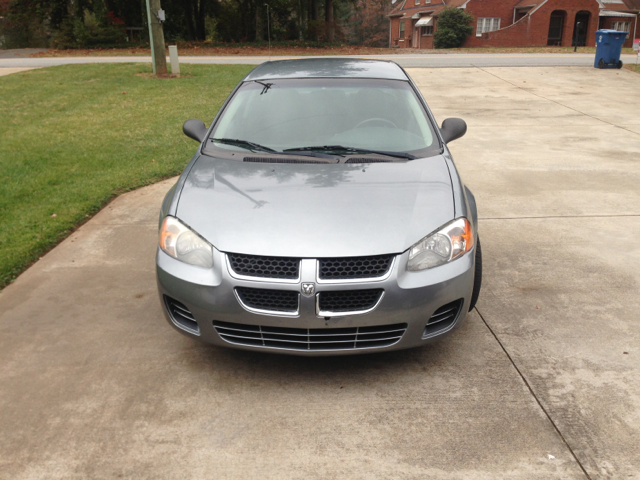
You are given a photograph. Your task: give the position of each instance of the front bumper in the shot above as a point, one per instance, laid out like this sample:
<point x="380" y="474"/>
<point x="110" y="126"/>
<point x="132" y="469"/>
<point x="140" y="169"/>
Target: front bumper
<point x="409" y="298"/>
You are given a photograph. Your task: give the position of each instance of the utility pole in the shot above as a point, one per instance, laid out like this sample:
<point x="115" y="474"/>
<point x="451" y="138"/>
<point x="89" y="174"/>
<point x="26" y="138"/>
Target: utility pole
<point x="156" y="37"/>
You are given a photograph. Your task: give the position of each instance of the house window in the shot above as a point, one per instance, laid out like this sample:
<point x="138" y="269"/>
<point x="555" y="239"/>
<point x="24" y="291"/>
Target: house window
<point x="487" y="24"/>
<point x="427" y="31"/>
<point x="401" y="29"/>
<point x="622" y="26"/>
<point x="417" y="2"/>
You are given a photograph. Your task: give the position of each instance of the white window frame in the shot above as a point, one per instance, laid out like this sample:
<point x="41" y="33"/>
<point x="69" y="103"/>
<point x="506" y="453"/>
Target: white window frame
<point x="417" y="2"/>
<point x="424" y="29"/>
<point x="622" y="27"/>
<point x="487" y="24"/>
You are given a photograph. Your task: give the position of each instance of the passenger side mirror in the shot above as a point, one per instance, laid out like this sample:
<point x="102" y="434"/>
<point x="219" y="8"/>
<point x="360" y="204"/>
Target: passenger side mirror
<point x="453" y="128"/>
<point x="195" y="129"/>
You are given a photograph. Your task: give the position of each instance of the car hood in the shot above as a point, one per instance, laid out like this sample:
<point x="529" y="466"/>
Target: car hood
<point x="316" y="210"/>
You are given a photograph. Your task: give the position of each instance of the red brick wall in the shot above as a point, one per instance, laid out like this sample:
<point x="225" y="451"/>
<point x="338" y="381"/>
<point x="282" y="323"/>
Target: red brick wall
<point x="395" y="33"/>
<point x="607" y="22"/>
<point x="426" y="42"/>
<point x="491" y="8"/>
<point x="533" y="30"/>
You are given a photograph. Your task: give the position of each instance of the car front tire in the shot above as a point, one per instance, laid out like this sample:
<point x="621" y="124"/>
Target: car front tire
<point x="477" y="277"/>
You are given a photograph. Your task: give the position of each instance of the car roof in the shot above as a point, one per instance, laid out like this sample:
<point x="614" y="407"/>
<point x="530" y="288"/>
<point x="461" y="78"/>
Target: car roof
<point x="327" y="67"/>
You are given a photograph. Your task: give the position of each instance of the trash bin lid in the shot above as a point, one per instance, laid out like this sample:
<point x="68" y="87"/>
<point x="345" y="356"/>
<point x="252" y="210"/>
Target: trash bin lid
<point x="607" y="31"/>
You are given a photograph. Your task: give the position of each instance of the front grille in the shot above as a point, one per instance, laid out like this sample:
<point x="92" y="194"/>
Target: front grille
<point x="348" y="300"/>
<point x="269" y="300"/>
<point x="345" y="268"/>
<point x="181" y="316"/>
<point x="311" y="338"/>
<point x="264" y="267"/>
<point x="443" y="318"/>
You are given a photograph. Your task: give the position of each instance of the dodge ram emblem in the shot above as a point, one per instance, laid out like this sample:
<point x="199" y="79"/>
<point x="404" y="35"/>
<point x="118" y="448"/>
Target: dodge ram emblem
<point x="308" y="289"/>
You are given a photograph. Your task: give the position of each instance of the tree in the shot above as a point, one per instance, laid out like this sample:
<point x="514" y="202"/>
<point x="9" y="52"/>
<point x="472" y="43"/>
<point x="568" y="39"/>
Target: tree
<point x="369" y="25"/>
<point x="453" y="27"/>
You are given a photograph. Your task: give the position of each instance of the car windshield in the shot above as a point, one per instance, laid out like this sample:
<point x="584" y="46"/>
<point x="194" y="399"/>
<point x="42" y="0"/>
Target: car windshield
<point x="366" y="114"/>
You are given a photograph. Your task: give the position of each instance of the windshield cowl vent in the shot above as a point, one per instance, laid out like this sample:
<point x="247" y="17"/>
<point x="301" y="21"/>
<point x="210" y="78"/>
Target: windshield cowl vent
<point x="282" y="160"/>
<point x="368" y="160"/>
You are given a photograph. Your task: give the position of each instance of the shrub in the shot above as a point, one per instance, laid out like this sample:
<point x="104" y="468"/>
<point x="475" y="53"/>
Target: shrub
<point x="92" y="30"/>
<point x="453" y="27"/>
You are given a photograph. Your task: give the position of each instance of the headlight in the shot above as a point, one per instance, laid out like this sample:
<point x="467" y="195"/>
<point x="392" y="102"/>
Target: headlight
<point x="442" y="246"/>
<point x="182" y="243"/>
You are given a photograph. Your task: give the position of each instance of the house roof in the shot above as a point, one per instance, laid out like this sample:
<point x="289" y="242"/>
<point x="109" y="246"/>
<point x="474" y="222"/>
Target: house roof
<point x="620" y="5"/>
<point x="615" y="13"/>
<point x="431" y="8"/>
<point x="528" y="3"/>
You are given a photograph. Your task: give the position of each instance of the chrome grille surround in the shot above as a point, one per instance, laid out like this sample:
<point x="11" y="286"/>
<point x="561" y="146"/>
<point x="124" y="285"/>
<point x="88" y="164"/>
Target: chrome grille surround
<point x="354" y="269"/>
<point x="316" y="339"/>
<point x="262" y="277"/>
<point x="268" y="301"/>
<point x="335" y="307"/>
<point x="384" y="276"/>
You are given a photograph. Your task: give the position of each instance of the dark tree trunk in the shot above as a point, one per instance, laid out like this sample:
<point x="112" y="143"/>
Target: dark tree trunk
<point x="328" y="18"/>
<point x="201" y="31"/>
<point x="188" y="16"/>
<point x="313" y="10"/>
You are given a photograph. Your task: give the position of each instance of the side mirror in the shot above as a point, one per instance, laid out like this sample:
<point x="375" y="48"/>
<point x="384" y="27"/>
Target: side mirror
<point x="195" y="129"/>
<point x="453" y="128"/>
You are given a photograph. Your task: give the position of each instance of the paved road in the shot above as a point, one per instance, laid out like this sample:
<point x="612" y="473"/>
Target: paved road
<point x="406" y="60"/>
<point x="541" y="382"/>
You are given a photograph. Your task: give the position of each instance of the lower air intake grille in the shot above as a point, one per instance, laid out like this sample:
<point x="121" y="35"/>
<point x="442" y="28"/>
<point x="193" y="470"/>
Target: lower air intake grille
<point x="443" y="318"/>
<point x="268" y="300"/>
<point x="348" y="300"/>
<point x="344" y="268"/>
<point x="264" y="267"/>
<point x="311" y="338"/>
<point x="181" y="316"/>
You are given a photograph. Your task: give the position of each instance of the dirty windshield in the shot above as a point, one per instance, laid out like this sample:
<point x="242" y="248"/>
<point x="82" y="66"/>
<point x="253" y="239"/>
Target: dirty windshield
<point x="358" y="114"/>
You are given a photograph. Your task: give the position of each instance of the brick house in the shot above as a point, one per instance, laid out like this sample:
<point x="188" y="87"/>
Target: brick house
<point x="515" y="23"/>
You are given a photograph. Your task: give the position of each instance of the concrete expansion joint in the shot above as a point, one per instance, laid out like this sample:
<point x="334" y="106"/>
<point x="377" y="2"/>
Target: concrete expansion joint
<point x="533" y="394"/>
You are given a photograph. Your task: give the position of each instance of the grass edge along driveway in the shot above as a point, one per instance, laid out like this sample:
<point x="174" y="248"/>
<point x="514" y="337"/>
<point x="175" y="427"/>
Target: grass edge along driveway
<point x="73" y="137"/>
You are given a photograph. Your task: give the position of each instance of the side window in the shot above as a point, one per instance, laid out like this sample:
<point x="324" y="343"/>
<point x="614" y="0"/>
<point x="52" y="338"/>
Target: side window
<point x="401" y="29"/>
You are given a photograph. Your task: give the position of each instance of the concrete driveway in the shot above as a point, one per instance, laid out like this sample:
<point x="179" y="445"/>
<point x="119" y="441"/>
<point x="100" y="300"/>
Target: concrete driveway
<point x="542" y="381"/>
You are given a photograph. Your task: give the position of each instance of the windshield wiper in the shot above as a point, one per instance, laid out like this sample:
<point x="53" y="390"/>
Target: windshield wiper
<point x="266" y="86"/>
<point x="350" y="151"/>
<point x="243" y="144"/>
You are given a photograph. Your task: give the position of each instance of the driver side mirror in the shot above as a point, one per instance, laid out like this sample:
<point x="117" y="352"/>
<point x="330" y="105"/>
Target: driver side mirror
<point x="453" y="128"/>
<point x="196" y="129"/>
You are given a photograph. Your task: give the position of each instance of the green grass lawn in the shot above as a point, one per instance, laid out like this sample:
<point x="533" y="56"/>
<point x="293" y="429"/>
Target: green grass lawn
<point x="633" y="67"/>
<point x="71" y="139"/>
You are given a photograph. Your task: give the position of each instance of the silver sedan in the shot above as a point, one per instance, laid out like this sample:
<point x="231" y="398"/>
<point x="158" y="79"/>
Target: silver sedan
<point x="322" y="214"/>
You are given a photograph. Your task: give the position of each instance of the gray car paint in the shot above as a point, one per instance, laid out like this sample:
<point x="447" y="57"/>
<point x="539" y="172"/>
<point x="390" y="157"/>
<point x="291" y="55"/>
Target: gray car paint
<point x="410" y="297"/>
<point x="316" y="210"/>
<point x="326" y="67"/>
